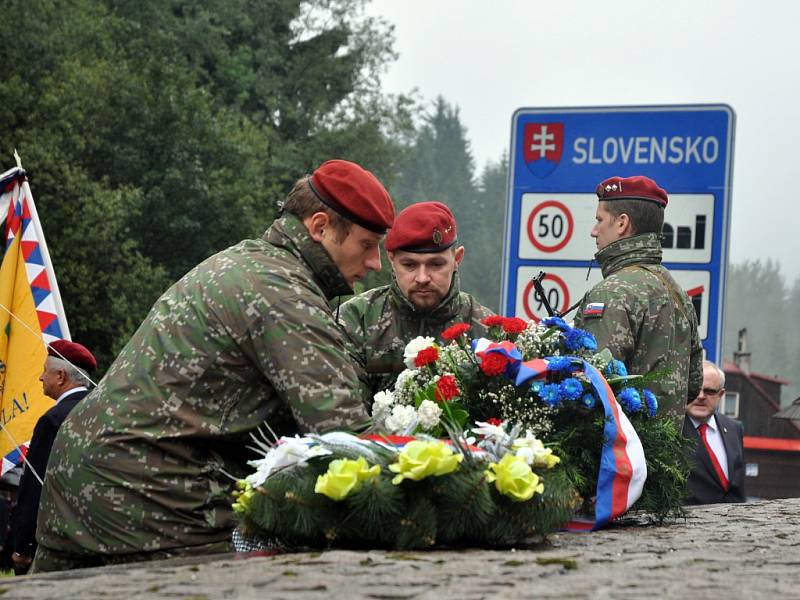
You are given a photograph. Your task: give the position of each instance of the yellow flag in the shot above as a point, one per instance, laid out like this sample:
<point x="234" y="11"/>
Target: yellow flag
<point x="31" y="316"/>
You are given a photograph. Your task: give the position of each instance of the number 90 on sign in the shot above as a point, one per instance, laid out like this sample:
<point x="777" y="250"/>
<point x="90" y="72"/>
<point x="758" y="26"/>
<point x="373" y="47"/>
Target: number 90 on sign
<point x="556" y="292"/>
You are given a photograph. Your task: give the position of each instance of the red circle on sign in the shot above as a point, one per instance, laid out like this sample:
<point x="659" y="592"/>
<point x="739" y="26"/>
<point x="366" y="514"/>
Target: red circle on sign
<point x="570" y="225"/>
<point x="549" y="277"/>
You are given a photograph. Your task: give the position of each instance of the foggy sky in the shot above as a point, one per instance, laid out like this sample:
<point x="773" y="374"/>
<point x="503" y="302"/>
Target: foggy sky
<point x="490" y="58"/>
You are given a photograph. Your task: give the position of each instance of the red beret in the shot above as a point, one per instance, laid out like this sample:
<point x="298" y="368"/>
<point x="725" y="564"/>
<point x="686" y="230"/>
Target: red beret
<point x="632" y="188"/>
<point x="422" y="227"/>
<point x="354" y="193"/>
<point x="75" y="353"/>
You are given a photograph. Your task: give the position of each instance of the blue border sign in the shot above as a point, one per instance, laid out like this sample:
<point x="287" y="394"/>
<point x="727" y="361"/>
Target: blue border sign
<point x="559" y="155"/>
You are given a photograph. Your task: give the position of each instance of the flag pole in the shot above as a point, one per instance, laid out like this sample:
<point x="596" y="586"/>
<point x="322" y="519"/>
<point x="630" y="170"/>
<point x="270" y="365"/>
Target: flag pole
<point x="2" y="426"/>
<point x="16" y="445"/>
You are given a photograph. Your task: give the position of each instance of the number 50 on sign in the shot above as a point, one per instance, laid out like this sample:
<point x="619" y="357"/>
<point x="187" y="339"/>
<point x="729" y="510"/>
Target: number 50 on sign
<point x="557" y="226"/>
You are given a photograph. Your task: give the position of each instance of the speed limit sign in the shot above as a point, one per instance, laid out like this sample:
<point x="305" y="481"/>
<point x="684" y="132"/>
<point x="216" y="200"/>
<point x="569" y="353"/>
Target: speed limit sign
<point x="556" y="293"/>
<point x="550" y="226"/>
<point x="557" y="226"/>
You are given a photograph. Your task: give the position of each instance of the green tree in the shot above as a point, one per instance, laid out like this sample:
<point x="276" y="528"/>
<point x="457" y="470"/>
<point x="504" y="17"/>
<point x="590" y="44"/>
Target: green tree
<point x="759" y="299"/>
<point x="484" y="269"/>
<point x="159" y="132"/>
<point x="439" y="166"/>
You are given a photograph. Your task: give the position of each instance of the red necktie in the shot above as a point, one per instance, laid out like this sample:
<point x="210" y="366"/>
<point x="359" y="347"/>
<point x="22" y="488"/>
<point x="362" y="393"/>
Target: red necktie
<point x="701" y="429"/>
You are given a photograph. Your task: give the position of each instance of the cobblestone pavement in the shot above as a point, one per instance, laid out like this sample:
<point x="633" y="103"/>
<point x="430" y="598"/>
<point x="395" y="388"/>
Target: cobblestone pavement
<point x="724" y="552"/>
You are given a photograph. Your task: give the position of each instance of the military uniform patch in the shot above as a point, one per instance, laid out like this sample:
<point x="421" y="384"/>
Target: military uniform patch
<point x="594" y="309"/>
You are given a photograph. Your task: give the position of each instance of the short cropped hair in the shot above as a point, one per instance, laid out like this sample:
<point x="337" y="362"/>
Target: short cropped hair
<point x="645" y="217"/>
<point x="720" y="372"/>
<point x="302" y="203"/>
<point x="73" y="373"/>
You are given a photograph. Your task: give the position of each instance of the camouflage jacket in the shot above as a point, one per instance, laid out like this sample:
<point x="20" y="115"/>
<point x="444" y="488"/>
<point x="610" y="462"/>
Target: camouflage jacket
<point x="381" y="321"/>
<point x="646" y="320"/>
<point x="246" y="337"/>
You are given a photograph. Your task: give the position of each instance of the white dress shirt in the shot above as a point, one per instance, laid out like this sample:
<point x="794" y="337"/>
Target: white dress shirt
<point x="80" y="388"/>
<point x="714" y="437"/>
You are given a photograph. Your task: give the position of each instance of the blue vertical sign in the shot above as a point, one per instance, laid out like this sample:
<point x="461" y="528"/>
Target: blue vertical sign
<point x="559" y="155"/>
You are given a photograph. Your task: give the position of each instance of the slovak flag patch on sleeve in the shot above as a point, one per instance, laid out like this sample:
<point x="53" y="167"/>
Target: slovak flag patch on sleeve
<point x="594" y="309"/>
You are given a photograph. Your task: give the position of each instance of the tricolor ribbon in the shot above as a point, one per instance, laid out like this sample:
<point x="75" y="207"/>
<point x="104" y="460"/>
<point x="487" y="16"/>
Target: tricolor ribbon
<point x="481" y="347"/>
<point x="623" y="469"/>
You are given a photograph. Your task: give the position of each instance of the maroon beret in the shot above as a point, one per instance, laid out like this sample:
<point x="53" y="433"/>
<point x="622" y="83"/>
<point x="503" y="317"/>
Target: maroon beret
<point x="354" y="193"/>
<point x="632" y="188"/>
<point x="75" y="353"/>
<point x="422" y="227"/>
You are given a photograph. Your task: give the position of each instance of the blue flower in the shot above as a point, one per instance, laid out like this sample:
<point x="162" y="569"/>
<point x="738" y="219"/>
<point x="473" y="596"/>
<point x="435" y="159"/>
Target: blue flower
<point x="536" y="386"/>
<point x="589" y="341"/>
<point x="559" y="363"/>
<point x="549" y="393"/>
<point x="578" y="339"/>
<point x="572" y="339"/>
<point x="556" y="322"/>
<point x="588" y="400"/>
<point x="630" y="399"/>
<point x="571" y="389"/>
<point x="616" y="367"/>
<point x="651" y="402"/>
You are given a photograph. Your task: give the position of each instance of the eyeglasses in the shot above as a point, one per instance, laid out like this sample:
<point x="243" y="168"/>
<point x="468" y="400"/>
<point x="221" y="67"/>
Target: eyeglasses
<point x="711" y="391"/>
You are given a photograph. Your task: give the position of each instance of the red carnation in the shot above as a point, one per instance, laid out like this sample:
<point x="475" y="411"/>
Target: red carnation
<point x="514" y="325"/>
<point x="446" y="388"/>
<point x="456" y="330"/>
<point x="426" y="356"/>
<point x="493" y="320"/>
<point x="494" y="363"/>
<point x="494" y="421"/>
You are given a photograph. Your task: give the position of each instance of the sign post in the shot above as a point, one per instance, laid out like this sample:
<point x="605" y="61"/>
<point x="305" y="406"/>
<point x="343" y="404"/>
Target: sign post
<point x="559" y="155"/>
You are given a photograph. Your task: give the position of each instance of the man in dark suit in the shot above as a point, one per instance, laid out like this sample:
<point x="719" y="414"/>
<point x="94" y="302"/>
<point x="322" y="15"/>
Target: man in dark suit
<point x="64" y="379"/>
<point x="718" y="474"/>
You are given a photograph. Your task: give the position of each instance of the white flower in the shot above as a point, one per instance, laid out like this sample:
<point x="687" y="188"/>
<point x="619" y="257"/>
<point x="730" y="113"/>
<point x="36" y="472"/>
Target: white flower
<point x="414" y="347"/>
<point x="402" y="420"/>
<point x="429" y="413"/>
<point x="288" y="452"/>
<point x="533" y="451"/>
<point x="404" y="378"/>
<point x="381" y="407"/>
<point x="495" y="433"/>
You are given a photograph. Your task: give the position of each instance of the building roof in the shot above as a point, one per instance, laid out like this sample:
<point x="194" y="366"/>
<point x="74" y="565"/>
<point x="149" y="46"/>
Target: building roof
<point x="790" y="412"/>
<point x="755" y="380"/>
<point x="730" y="367"/>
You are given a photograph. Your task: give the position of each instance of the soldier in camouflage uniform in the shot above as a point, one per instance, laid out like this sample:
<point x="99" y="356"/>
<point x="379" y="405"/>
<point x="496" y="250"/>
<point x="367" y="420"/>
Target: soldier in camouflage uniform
<point x="424" y="298"/>
<point x="140" y="470"/>
<point x="638" y="311"/>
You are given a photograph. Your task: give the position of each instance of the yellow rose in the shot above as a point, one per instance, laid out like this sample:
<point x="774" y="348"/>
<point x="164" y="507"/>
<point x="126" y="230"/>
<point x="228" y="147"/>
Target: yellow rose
<point x="419" y="460"/>
<point x="344" y="476"/>
<point x="243" y="493"/>
<point x="513" y="477"/>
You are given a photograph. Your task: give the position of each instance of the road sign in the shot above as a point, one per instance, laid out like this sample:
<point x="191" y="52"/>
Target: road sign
<point x="559" y="155"/>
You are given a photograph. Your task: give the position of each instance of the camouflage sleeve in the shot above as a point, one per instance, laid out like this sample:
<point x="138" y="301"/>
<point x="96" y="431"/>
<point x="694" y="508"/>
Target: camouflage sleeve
<point x="307" y="357"/>
<point x="611" y="320"/>
<point x="478" y="312"/>
<point x="695" y="361"/>
<point x="351" y="317"/>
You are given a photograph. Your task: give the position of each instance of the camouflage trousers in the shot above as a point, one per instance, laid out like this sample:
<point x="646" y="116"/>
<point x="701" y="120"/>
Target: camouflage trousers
<point x="47" y="559"/>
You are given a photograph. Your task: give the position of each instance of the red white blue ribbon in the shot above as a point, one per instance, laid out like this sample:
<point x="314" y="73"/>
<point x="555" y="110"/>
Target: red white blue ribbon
<point x="623" y="470"/>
